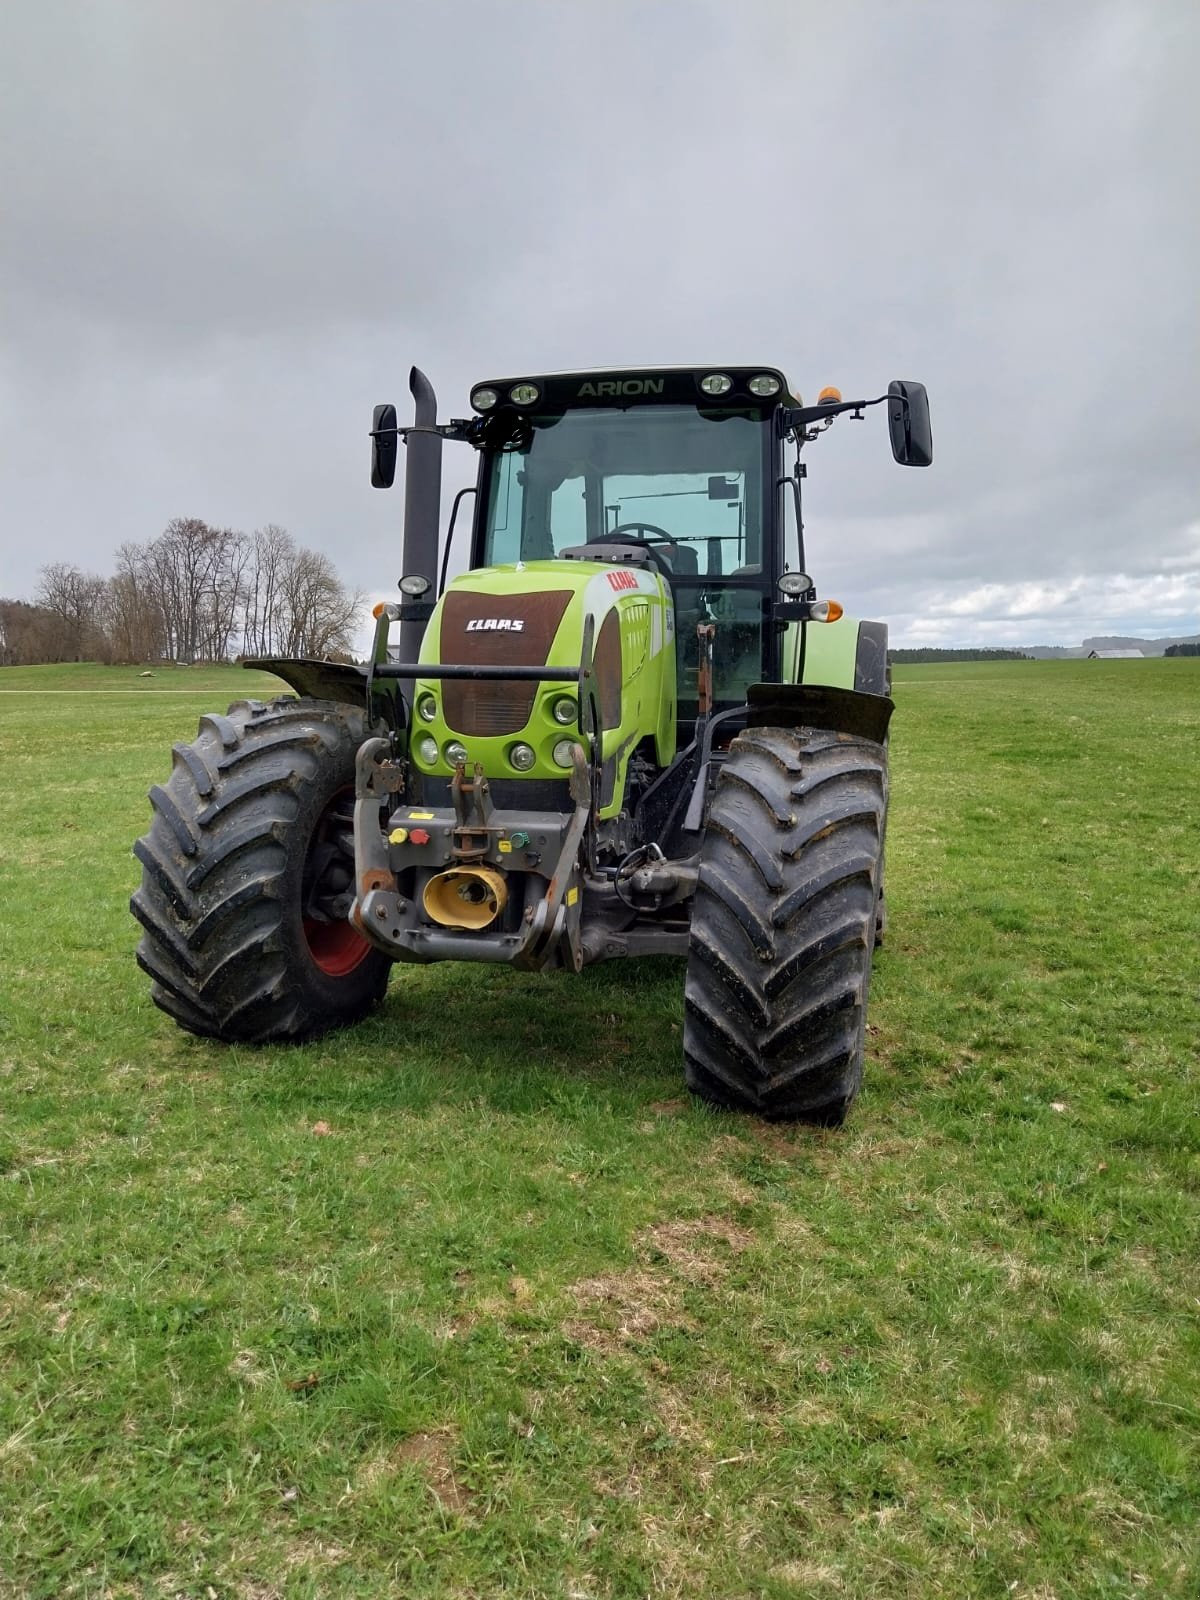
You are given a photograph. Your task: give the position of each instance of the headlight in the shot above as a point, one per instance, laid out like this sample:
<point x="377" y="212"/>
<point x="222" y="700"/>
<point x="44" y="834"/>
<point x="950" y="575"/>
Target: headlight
<point x="794" y="584"/>
<point x="764" y="384"/>
<point x="524" y="394"/>
<point x="455" y="752"/>
<point x="484" y="399"/>
<point x="427" y="749"/>
<point x="564" y="753"/>
<point x="426" y="707"/>
<point x="414" y="585"/>
<point x="523" y="757"/>
<point x="716" y="383"/>
<point x="565" y="711"/>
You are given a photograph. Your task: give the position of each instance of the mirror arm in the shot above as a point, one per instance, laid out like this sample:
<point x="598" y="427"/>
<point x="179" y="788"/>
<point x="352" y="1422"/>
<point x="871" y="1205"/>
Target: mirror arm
<point x="444" y="430"/>
<point x="801" y="416"/>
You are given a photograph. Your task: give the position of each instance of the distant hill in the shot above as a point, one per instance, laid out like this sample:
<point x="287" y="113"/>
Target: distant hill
<point x="1148" y="647"/>
<point x="1107" y="641"/>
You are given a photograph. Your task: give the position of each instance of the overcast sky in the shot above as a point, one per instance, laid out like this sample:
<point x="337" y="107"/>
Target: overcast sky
<point x="229" y="228"/>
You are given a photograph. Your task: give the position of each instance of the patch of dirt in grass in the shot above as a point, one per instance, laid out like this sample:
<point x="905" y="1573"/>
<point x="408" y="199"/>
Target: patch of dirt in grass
<point x="791" y="1228"/>
<point x="306" y="1553"/>
<point x="672" y="1545"/>
<point x="810" y="1411"/>
<point x="621" y="1308"/>
<point x="735" y="1190"/>
<point x="1037" y="1429"/>
<point x="245" y="1365"/>
<point x="432" y="1455"/>
<point x="795" y="1141"/>
<point x="455" y="1327"/>
<point x="626" y="1307"/>
<point x="678" y="1417"/>
<point x="807" y="1575"/>
<point x="687" y="1245"/>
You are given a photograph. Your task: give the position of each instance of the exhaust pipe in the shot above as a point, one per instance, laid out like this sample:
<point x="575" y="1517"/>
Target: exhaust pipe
<point x="422" y="503"/>
<point x="466" y="897"/>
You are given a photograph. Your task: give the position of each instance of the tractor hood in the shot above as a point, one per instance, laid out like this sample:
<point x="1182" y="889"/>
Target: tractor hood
<point x="533" y="614"/>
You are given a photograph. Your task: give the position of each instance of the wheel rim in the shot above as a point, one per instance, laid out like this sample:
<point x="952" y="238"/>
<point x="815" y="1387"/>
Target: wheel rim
<point x="336" y="948"/>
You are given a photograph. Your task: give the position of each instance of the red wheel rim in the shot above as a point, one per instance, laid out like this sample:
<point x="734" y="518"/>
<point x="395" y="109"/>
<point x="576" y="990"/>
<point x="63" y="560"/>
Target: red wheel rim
<point x="336" y="947"/>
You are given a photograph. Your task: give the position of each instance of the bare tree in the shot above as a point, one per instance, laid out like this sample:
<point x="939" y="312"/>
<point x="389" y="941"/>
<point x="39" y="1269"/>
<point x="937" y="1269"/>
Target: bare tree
<point x="28" y="634"/>
<point x="273" y="552"/>
<point x="318" y="612"/>
<point x="75" y="598"/>
<point x="134" y="616"/>
<point x="194" y="572"/>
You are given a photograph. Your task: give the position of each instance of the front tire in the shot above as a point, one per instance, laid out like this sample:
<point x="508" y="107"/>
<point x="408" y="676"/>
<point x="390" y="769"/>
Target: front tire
<point x="784" y="923"/>
<point x="247" y="875"/>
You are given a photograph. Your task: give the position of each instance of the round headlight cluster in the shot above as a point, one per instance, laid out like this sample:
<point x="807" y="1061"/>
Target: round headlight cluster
<point x="426" y="707"/>
<point x="523" y="757"/>
<point x="455" y="752"/>
<point x="565" y="711"/>
<point x="764" y="384"/>
<point x="564" y="753"/>
<point x="524" y="394"/>
<point x="484" y="399"/>
<point x="427" y="749"/>
<point x="716" y="383"/>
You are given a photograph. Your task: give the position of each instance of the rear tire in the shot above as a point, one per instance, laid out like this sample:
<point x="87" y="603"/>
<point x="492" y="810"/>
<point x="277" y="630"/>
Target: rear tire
<point x="784" y="924"/>
<point x="247" y="872"/>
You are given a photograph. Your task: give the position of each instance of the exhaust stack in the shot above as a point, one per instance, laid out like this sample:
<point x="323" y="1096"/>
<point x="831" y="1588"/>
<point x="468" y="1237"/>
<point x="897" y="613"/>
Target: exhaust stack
<point x="422" y="502"/>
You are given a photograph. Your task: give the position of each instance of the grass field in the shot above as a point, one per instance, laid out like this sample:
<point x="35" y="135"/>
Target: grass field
<point x="470" y="1301"/>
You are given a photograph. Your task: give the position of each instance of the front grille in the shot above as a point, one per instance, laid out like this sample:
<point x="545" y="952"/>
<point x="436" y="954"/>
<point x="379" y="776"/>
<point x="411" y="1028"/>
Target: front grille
<point x="487" y="708"/>
<point x="490" y="707"/>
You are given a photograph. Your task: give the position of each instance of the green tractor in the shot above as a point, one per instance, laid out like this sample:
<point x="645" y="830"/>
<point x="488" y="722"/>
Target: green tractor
<point x="629" y="728"/>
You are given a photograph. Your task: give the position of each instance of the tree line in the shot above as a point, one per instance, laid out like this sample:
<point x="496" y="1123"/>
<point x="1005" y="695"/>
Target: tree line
<point x="196" y="593"/>
<point x="1183" y="649"/>
<point x="930" y="653"/>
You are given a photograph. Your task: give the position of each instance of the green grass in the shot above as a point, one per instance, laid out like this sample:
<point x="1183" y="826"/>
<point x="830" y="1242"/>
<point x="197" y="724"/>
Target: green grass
<point x="524" y="1321"/>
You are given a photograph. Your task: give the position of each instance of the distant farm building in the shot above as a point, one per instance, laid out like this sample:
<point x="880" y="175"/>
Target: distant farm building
<point x="1116" y="655"/>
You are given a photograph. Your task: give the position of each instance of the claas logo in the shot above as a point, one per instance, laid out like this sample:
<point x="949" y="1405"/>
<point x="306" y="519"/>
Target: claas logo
<point x="621" y="580"/>
<point x="496" y="625"/>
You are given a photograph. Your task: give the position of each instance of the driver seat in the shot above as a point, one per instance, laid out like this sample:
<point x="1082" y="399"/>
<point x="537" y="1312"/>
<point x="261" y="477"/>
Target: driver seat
<point x="682" y="560"/>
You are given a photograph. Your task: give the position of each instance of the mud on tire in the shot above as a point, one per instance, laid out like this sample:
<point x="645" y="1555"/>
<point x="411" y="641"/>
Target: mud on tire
<point x="246" y="874"/>
<point x="784" y="924"/>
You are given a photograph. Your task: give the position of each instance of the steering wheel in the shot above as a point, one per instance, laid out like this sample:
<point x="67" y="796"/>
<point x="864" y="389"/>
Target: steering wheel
<point x="657" y="535"/>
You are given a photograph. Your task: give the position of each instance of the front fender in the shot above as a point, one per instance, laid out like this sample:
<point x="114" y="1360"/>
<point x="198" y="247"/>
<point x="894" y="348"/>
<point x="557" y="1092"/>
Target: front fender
<point x="817" y="705"/>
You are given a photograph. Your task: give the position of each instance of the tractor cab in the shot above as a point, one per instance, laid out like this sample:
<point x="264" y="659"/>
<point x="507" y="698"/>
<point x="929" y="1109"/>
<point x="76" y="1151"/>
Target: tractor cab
<point x="655" y="471"/>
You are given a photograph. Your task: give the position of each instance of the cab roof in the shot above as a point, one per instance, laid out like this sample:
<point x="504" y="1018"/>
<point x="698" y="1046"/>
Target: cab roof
<point x="598" y="386"/>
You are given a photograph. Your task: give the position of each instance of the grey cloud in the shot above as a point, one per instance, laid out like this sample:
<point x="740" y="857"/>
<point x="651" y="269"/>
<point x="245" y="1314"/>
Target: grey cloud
<point x="231" y="228"/>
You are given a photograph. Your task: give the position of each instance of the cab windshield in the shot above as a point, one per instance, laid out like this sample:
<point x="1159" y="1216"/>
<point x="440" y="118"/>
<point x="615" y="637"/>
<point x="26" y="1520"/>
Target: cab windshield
<point x="686" y="479"/>
<point x="689" y="481"/>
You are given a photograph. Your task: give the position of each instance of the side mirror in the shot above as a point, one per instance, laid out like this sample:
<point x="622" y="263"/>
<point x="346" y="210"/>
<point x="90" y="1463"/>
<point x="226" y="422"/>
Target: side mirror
<point x="908" y="423"/>
<point x="383" y="447"/>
